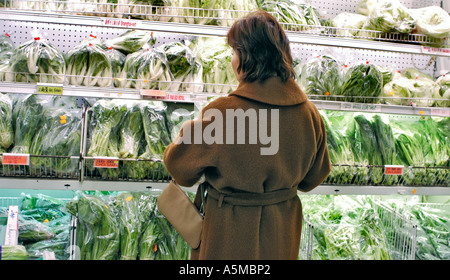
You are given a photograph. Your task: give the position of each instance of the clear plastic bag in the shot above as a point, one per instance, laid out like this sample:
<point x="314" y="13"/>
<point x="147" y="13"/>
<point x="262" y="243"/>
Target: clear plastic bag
<point x="432" y="21"/>
<point x="390" y="16"/>
<point x="37" y="61"/>
<point x="88" y="64"/>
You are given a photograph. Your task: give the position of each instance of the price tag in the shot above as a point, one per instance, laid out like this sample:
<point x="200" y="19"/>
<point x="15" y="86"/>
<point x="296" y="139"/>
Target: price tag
<point x="153" y="93"/>
<point x="106" y="162"/>
<point x="438" y="51"/>
<point x="43" y="88"/>
<point x="121" y="22"/>
<point x="393" y="170"/>
<point x="349" y="106"/>
<point x="441" y="112"/>
<point x="16" y="159"/>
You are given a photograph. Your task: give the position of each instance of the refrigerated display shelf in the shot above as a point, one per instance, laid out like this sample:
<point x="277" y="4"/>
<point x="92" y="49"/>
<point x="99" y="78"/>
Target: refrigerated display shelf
<point x="379" y="41"/>
<point x="322" y="102"/>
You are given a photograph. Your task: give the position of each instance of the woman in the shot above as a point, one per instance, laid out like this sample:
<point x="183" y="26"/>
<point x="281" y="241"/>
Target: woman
<point x="252" y="208"/>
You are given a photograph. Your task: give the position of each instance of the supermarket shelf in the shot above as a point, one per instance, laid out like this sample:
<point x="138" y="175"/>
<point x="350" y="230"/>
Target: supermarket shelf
<point x="177" y="96"/>
<point x="210" y="30"/>
<point x="110" y="92"/>
<point x="50" y="184"/>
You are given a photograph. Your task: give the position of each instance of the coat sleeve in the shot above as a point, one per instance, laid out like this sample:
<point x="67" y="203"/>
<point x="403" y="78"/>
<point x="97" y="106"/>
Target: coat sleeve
<point x="187" y="157"/>
<point x="321" y="166"/>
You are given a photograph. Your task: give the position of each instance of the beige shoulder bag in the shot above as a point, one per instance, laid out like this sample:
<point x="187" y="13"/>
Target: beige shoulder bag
<point x="181" y="213"/>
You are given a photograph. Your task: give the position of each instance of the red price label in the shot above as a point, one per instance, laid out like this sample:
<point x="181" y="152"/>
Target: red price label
<point x="106" y="162"/>
<point x="16" y="159"/>
<point x="393" y="169"/>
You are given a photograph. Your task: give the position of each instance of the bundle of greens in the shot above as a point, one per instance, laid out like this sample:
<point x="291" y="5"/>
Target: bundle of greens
<point x="134" y="212"/>
<point x="27" y="116"/>
<point x="59" y="135"/>
<point x="367" y="142"/>
<point x="322" y="75"/>
<point x="160" y="241"/>
<point x="348" y="24"/>
<point x="290" y="15"/>
<point x="6" y="48"/>
<point x="98" y="230"/>
<point x="146" y="69"/>
<point x="183" y="65"/>
<point x="389" y="16"/>
<point x="13" y="252"/>
<point x="88" y="64"/>
<point x="432" y="21"/>
<point x="339" y="148"/>
<point x="131" y="41"/>
<point x="37" y="61"/>
<point x="117" y="59"/>
<point x="157" y="138"/>
<point x="103" y="140"/>
<point x="6" y="125"/>
<point x="215" y="57"/>
<point x="363" y="82"/>
<point x="444" y="85"/>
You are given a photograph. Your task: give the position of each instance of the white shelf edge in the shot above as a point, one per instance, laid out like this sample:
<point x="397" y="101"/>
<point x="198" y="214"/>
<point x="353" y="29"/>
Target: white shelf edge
<point x="206" y="30"/>
<point x="173" y="96"/>
<point x="75" y="185"/>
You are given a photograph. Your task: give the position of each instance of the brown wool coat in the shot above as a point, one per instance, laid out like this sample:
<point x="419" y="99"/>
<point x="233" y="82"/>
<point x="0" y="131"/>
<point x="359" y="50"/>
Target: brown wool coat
<point x="302" y="162"/>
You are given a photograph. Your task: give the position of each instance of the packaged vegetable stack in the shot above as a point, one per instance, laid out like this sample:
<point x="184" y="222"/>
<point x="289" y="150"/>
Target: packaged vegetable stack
<point x="361" y="144"/>
<point x="345" y="228"/>
<point x="137" y="132"/>
<point x="126" y="226"/>
<point x="44" y="226"/>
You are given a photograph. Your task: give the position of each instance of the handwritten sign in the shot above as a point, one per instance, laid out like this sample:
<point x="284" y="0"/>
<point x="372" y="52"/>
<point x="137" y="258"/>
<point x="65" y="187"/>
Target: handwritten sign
<point x="393" y="169"/>
<point x="16" y="159"/>
<point x="106" y="162"/>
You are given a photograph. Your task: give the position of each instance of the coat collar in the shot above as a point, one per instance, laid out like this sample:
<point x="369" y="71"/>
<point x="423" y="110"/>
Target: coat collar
<point x="272" y="91"/>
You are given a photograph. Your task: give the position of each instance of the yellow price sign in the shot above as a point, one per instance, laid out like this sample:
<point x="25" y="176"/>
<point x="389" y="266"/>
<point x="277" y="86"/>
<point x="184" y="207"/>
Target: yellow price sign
<point x="56" y="89"/>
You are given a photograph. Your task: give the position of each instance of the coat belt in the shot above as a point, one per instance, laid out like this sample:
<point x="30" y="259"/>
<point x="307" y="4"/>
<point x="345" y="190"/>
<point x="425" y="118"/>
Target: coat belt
<point x="252" y="199"/>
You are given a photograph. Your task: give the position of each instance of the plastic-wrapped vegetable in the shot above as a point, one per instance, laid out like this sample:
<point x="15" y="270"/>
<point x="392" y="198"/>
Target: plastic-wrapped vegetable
<point x="288" y="14"/>
<point x="6" y="48"/>
<point x="13" y="252"/>
<point x="423" y="88"/>
<point x="104" y="133"/>
<point x="364" y="7"/>
<point x="157" y="138"/>
<point x="390" y="16"/>
<point x="363" y="82"/>
<point x="131" y="41"/>
<point x="31" y="230"/>
<point x="59" y="135"/>
<point x="432" y="21"/>
<point x="98" y="230"/>
<point x="322" y="76"/>
<point x="349" y="24"/>
<point x="397" y="91"/>
<point x="444" y="84"/>
<point x="186" y="70"/>
<point x="146" y="69"/>
<point x="88" y="64"/>
<point x="117" y="60"/>
<point x="6" y="128"/>
<point x="27" y="116"/>
<point x="215" y="57"/>
<point x="37" y="61"/>
<point x="135" y="209"/>
<point x="339" y="147"/>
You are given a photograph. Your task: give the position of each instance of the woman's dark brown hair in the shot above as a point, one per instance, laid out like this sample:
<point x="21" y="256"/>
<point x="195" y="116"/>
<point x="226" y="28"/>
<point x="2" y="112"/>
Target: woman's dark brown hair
<point x="262" y="46"/>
